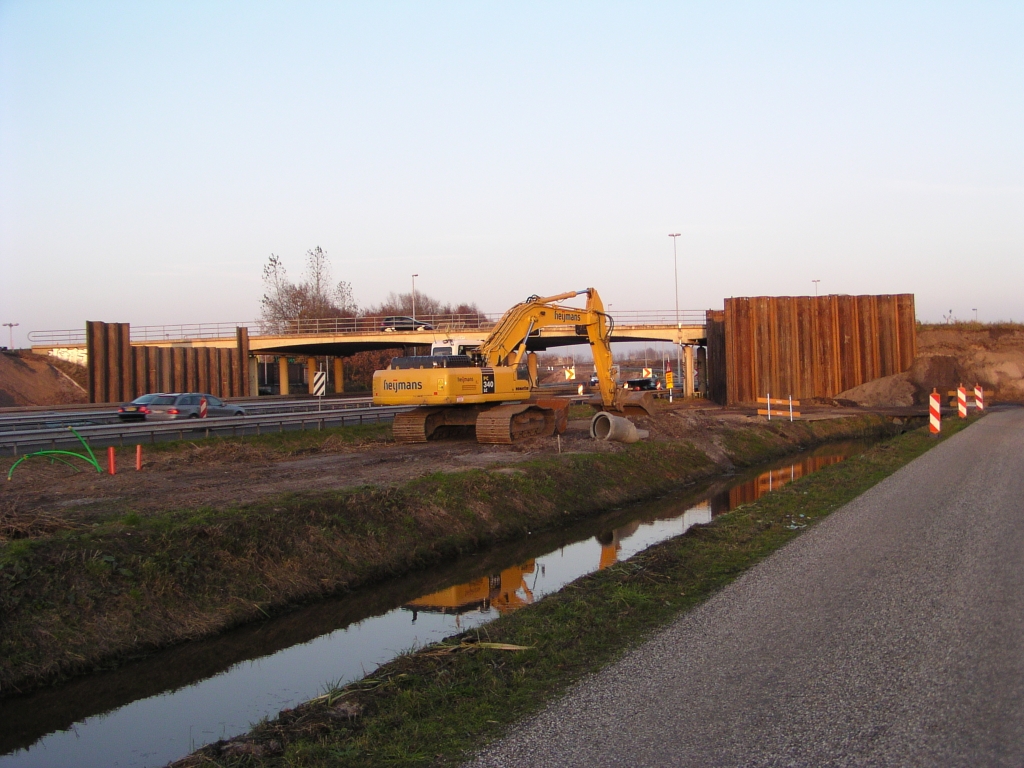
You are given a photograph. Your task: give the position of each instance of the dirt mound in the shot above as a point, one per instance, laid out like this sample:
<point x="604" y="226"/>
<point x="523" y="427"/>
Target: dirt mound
<point x="891" y="390"/>
<point x="992" y="356"/>
<point x="28" y="379"/>
<point x="949" y="355"/>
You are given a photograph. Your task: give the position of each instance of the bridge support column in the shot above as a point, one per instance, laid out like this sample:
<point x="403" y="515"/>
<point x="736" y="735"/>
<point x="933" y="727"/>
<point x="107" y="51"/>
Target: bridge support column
<point x="282" y="374"/>
<point x="253" y="388"/>
<point x="311" y="372"/>
<point x="339" y="375"/>
<point x="688" y="372"/>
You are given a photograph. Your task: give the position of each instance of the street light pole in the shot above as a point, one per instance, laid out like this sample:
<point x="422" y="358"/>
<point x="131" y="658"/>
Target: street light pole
<point x="414" y="297"/>
<point x="11" y="327"/>
<point x="815" y="286"/>
<point x="675" y="271"/>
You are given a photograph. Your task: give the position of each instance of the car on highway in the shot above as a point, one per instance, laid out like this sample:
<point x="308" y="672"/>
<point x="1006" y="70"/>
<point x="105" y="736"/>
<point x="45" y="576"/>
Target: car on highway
<point x="389" y="324"/>
<point x="177" y="405"/>
<point x="643" y="384"/>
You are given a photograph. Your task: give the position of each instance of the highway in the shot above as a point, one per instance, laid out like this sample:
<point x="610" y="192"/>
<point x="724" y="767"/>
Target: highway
<point x="106" y="413"/>
<point x="891" y="634"/>
<point x="102" y="429"/>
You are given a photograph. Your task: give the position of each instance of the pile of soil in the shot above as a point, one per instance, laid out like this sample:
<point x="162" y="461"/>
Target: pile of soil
<point x="29" y="379"/>
<point x="948" y="355"/>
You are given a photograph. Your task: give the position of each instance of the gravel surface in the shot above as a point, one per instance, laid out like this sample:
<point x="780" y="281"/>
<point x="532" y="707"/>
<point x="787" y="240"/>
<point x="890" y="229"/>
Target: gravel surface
<point x="890" y="634"/>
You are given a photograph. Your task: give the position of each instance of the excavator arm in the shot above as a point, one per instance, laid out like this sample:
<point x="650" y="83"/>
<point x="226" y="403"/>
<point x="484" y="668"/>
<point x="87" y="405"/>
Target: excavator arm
<point x="506" y="344"/>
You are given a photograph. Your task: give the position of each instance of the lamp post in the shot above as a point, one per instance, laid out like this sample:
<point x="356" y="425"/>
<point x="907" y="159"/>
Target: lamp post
<point x="815" y="286"/>
<point x="414" y="297"/>
<point x="11" y="327"/>
<point x="975" y="309"/>
<point x="675" y="272"/>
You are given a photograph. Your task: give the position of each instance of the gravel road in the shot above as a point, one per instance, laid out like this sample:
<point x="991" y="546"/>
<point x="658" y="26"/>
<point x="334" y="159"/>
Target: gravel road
<point x="892" y="634"/>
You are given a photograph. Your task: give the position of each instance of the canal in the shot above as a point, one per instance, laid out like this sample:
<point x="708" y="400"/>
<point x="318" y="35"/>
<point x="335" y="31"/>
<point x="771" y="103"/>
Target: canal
<point x="158" y="709"/>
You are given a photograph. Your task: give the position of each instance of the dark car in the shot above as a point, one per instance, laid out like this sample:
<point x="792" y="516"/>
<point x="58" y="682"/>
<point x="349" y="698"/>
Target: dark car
<point x="642" y="384"/>
<point x="178" y="405"/>
<point x="404" y="324"/>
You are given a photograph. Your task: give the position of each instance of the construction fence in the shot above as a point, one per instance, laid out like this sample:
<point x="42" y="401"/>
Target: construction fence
<point x="807" y="346"/>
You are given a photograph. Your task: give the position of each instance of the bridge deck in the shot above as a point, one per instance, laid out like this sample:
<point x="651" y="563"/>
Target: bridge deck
<point x="346" y="336"/>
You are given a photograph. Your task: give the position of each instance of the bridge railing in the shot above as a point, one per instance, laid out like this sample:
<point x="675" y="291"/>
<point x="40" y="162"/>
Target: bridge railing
<point x="688" y="317"/>
<point x="341" y="326"/>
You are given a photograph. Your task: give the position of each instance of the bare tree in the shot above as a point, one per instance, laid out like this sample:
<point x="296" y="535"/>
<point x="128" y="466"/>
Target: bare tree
<point x="401" y="304"/>
<point x="316" y="297"/>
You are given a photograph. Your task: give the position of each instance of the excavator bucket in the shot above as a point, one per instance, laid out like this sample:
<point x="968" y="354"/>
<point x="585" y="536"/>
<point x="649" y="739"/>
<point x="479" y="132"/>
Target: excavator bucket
<point x="633" y="403"/>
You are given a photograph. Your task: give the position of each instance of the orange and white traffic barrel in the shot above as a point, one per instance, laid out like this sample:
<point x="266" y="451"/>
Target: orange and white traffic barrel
<point x="934" y="412"/>
<point x="979" y="397"/>
<point x="961" y="401"/>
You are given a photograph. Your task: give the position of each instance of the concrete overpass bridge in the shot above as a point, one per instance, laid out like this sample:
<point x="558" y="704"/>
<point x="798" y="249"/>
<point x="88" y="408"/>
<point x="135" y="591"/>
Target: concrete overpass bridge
<point x="254" y="343"/>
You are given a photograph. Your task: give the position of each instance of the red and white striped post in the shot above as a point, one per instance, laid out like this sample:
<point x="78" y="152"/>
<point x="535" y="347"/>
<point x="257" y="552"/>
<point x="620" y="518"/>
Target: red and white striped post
<point x="961" y="401"/>
<point x="934" y="412"/>
<point x="979" y="397"/>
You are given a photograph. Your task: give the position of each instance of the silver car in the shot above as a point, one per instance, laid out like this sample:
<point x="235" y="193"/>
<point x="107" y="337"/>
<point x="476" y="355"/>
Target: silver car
<point x="186" y="405"/>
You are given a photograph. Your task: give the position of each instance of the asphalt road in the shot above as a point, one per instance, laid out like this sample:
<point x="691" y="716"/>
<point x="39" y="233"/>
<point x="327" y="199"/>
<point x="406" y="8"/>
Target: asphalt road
<point x="892" y="634"/>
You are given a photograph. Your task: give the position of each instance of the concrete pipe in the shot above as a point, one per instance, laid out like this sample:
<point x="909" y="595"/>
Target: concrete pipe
<point x="605" y="426"/>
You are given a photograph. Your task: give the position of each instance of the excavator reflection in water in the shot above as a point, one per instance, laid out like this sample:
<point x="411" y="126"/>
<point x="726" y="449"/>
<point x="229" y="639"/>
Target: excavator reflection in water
<point x="509" y="590"/>
<point x="505" y="592"/>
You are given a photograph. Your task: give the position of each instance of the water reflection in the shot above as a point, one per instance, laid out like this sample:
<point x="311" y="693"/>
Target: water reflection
<point x="508" y="590"/>
<point x="159" y="709"/>
<point x="504" y="592"/>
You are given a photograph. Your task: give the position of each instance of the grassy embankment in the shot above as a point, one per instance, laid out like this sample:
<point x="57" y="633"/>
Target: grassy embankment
<point x="78" y="598"/>
<point x="434" y="706"/>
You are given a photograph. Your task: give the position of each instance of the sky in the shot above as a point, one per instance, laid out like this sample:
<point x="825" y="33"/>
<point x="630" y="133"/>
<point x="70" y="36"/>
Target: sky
<point x="154" y="155"/>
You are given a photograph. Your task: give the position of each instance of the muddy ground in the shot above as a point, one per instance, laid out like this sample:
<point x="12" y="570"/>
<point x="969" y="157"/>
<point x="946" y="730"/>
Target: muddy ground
<point x="42" y="497"/>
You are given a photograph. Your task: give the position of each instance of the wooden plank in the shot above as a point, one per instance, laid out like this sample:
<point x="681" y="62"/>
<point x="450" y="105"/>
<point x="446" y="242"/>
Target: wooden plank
<point x="154" y="379"/>
<point x="781" y="414"/>
<point x="126" y="366"/>
<point x="887" y="336"/>
<point x="246" y="387"/>
<point x="178" y="364"/>
<point x="96" y="360"/>
<point x="775" y="401"/>
<point x="906" y="323"/>
<point x="166" y="369"/>
<point x="191" y="372"/>
<point x="867" y="340"/>
<point x="203" y="370"/>
<point x="224" y="380"/>
<point x="139" y="363"/>
<point x="849" y="347"/>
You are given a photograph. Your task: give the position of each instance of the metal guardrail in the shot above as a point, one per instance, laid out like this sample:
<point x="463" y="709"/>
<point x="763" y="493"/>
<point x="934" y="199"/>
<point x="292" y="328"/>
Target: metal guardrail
<point x="58" y="420"/>
<point x="16" y="443"/>
<point x="341" y="326"/>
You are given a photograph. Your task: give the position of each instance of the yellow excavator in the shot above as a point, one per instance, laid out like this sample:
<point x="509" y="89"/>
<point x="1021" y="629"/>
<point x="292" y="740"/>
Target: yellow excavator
<point x="493" y="389"/>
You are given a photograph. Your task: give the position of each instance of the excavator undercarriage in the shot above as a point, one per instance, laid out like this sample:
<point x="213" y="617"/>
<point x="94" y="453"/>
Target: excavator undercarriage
<point x="498" y="424"/>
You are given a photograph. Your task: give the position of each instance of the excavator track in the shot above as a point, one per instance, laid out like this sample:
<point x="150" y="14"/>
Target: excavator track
<point x="415" y="426"/>
<point x="505" y="424"/>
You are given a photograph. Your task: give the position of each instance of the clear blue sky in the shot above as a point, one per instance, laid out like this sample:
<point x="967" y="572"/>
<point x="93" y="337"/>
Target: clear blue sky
<point x="153" y="155"/>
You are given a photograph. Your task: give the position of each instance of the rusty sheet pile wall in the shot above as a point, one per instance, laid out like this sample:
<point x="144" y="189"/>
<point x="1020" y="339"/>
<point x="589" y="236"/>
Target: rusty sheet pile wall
<point x="118" y="371"/>
<point x="807" y="346"/>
